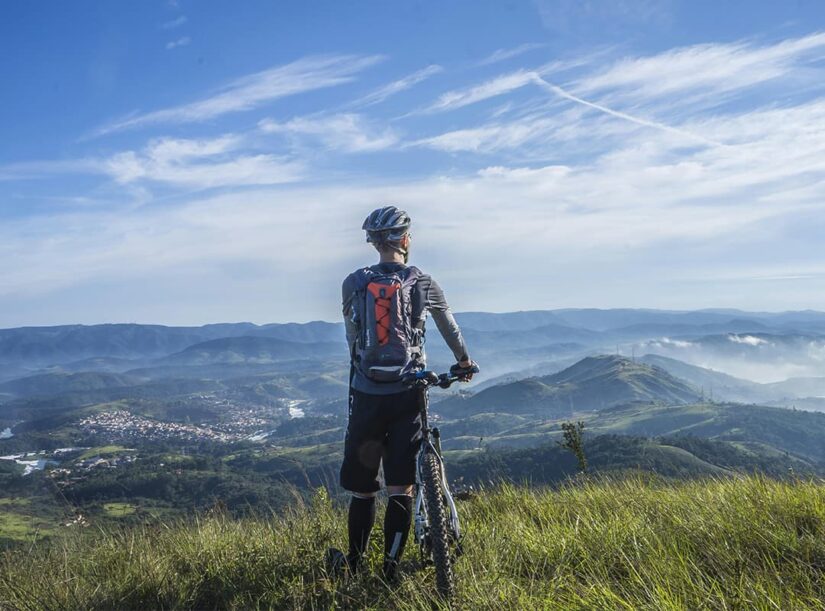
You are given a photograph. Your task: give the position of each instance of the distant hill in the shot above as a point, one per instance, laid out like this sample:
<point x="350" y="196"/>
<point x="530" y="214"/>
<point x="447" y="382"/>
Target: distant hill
<point x="799" y="387"/>
<point x="737" y="325"/>
<point x="310" y="332"/>
<point x="507" y="321"/>
<point x="604" y="320"/>
<point x="800" y="433"/>
<point x="671" y="457"/>
<point x="49" y="345"/>
<point x="591" y="384"/>
<point x="59" y="383"/>
<point x="68" y="343"/>
<point x="538" y="336"/>
<point x="715" y="383"/>
<point x="251" y="349"/>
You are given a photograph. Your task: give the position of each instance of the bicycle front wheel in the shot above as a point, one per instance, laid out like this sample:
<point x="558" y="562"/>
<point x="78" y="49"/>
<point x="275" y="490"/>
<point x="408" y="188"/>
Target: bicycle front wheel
<point x="438" y="519"/>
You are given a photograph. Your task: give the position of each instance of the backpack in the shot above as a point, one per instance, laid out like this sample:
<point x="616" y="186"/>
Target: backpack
<point x="389" y="332"/>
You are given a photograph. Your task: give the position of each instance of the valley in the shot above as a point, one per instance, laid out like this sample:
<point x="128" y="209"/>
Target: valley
<point x="159" y="421"/>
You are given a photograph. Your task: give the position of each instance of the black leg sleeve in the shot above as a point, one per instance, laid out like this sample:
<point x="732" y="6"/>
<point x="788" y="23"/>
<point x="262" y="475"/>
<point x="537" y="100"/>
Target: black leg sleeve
<point x="397" y="526"/>
<point x="361" y="519"/>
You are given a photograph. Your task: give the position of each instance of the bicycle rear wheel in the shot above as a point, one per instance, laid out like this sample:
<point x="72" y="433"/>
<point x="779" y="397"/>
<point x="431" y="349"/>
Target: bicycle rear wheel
<point x="438" y="519"/>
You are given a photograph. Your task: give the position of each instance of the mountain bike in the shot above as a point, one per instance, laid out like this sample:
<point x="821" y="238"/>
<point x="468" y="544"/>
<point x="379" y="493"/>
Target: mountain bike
<point x="437" y="530"/>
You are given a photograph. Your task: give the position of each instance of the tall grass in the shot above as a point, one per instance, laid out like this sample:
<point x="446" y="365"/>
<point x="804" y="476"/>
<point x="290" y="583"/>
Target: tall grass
<point x="748" y="543"/>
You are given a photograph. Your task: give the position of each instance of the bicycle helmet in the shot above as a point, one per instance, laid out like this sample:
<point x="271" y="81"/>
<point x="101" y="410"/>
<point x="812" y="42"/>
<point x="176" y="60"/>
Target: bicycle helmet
<point x="386" y="225"/>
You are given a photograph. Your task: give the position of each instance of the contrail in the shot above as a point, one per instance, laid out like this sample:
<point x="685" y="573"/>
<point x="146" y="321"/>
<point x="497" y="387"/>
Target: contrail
<point x="615" y="113"/>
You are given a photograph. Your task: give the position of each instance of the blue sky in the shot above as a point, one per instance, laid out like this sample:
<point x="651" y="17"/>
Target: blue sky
<point x="190" y="162"/>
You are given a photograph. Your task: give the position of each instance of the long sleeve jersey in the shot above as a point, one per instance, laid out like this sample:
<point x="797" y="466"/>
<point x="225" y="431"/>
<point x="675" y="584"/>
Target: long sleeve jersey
<point x="427" y="297"/>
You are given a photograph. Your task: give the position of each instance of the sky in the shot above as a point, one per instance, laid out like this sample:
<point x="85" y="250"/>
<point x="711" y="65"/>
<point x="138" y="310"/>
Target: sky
<point x="183" y="162"/>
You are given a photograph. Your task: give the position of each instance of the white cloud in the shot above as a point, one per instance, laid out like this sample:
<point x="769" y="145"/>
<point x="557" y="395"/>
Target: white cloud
<point x="681" y="83"/>
<point x="504" y="84"/>
<point x="750" y="340"/>
<point x="491" y="137"/>
<point x="199" y="164"/>
<point x="30" y="170"/>
<point x="346" y="132"/>
<point x="180" y="42"/>
<point x="187" y="163"/>
<point x="709" y="68"/>
<point x="390" y="89"/>
<point x="587" y="226"/>
<point x="617" y="200"/>
<point x="484" y="91"/>
<point x="666" y="341"/>
<point x="251" y="91"/>
<point x="561" y="92"/>
<point x="505" y="54"/>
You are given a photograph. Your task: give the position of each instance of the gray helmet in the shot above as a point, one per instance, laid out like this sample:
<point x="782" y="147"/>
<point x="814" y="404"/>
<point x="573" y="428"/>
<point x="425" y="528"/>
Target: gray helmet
<point x="387" y="224"/>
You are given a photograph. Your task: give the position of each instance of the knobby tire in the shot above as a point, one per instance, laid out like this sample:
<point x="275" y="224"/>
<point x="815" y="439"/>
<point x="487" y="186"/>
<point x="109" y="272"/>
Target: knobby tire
<point x="439" y="530"/>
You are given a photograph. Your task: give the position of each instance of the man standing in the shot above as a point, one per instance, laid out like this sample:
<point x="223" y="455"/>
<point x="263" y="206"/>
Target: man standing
<point x="385" y="307"/>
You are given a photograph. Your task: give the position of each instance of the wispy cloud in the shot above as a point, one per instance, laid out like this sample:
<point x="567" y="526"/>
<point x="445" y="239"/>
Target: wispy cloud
<point x="187" y="163"/>
<point x="500" y="85"/>
<point x="199" y="164"/>
<point x="503" y="84"/>
<point x="32" y="170"/>
<point x="616" y="160"/>
<point x="390" y="89"/>
<point x="561" y="92"/>
<point x="709" y="68"/>
<point x="501" y="55"/>
<point x="676" y="83"/>
<point x="180" y="42"/>
<point x="346" y="132"/>
<point x="174" y="23"/>
<point x="254" y="90"/>
<point x="496" y="135"/>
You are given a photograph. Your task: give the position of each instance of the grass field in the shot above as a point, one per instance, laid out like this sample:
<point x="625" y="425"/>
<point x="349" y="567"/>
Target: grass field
<point x="118" y="510"/>
<point x="16" y="526"/>
<point x="102" y="451"/>
<point x="733" y="543"/>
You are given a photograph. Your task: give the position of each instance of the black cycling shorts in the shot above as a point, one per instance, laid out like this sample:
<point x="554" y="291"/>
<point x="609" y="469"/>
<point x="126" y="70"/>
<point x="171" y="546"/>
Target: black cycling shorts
<point x="382" y="429"/>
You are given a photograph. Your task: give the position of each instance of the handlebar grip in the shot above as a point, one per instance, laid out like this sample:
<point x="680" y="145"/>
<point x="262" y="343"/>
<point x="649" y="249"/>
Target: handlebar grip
<point x="456" y="370"/>
<point x="420" y="378"/>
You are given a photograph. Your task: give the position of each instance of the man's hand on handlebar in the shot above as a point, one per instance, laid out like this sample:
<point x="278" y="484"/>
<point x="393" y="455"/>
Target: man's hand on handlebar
<point x="464" y="370"/>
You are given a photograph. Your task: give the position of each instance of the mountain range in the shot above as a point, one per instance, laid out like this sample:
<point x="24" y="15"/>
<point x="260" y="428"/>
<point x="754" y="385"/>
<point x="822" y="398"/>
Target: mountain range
<point x="591" y="384"/>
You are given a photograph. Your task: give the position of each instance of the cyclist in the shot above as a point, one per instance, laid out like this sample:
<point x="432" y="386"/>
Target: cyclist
<point x="384" y="415"/>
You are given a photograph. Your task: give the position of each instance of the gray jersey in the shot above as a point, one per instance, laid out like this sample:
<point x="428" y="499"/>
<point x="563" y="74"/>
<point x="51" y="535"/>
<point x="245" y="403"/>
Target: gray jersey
<point x="427" y="297"/>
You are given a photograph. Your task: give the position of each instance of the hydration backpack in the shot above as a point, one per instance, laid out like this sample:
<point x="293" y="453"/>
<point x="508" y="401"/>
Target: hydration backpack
<point x="389" y="332"/>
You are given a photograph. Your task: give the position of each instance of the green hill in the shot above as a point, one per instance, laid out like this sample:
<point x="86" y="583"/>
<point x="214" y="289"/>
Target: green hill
<point x="795" y="433"/>
<point x="798" y="432"/>
<point x="715" y="383"/>
<point x="253" y="350"/>
<point x="48" y="384"/>
<point x="746" y="543"/>
<point x="672" y="457"/>
<point x="591" y="384"/>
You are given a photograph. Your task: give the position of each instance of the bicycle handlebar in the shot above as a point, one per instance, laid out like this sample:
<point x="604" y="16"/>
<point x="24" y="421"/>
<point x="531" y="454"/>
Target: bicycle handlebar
<point x="426" y="379"/>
